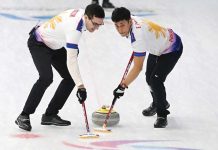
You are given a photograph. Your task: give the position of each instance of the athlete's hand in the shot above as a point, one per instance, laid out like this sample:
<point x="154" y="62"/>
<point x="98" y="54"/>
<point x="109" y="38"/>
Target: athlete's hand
<point x="119" y="91"/>
<point x="81" y="94"/>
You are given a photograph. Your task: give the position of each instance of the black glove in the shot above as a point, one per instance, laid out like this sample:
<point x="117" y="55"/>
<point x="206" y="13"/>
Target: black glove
<point x="81" y="94"/>
<point x="119" y="91"/>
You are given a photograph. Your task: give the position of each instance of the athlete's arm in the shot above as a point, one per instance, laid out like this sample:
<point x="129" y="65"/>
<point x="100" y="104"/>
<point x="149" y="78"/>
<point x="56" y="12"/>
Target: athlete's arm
<point x="72" y="61"/>
<point x="136" y="69"/>
<point x="73" y="67"/>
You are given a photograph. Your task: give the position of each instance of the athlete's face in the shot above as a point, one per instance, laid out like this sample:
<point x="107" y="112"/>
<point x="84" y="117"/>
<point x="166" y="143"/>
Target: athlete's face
<point x="123" y="27"/>
<point x="93" y="23"/>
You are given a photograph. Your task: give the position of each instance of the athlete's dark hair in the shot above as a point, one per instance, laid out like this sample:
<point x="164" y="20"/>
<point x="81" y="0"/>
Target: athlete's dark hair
<point x="120" y="14"/>
<point x="94" y="10"/>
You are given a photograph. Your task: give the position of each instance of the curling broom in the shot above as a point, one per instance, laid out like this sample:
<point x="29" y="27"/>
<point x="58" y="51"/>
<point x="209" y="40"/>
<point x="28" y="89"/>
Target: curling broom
<point x="104" y="127"/>
<point x="87" y="135"/>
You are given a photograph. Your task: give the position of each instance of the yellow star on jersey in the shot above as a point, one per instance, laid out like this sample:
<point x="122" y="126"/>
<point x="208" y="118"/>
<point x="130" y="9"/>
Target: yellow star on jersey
<point x="52" y="22"/>
<point x="156" y="28"/>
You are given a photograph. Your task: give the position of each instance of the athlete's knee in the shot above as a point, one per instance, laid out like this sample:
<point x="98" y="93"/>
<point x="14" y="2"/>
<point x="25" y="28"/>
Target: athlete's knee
<point x="45" y="82"/>
<point x="156" y="81"/>
<point x="69" y="81"/>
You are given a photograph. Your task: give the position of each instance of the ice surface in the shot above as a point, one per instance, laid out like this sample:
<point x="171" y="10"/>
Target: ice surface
<point x="191" y="87"/>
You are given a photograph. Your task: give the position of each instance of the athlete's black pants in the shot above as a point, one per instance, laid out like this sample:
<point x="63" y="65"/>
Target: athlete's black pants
<point x="44" y="58"/>
<point x="158" y="67"/>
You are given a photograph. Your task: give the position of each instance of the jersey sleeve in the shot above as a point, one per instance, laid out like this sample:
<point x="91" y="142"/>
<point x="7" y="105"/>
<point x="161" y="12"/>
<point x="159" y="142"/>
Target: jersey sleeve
<point x="72" y="41"/>
<point x="73" y="67"/>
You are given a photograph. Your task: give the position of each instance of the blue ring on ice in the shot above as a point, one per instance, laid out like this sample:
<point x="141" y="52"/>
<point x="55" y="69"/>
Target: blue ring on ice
<point x="46" y="17"/>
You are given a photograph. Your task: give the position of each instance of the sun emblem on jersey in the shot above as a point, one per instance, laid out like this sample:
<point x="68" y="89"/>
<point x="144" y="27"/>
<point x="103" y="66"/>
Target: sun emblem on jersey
<point x="52" y="22"/>
<point x="158" y="30"/>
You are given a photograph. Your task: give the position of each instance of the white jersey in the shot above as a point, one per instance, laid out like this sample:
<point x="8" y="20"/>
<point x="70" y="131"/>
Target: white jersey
<point x="147" y="36"/>
<point x="65" y="30"/>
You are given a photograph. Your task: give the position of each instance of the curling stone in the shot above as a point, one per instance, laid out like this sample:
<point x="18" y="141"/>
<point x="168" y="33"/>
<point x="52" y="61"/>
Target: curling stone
<point x="99" y="116"/>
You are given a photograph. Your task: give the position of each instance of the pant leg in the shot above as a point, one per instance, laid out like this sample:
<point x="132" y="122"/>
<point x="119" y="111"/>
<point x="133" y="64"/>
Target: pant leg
<point x="165" y="64"/>
<point x="59" y="62"/>
<point x="151" y="62"/>
<point x="41" y="55"/>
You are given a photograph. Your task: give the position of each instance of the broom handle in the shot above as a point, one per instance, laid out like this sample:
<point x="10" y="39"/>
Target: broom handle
<point x="85" y="116"/>
<point x="115" y="99"/>
<point x="109" y="112"/>
<point x="127" y="67"/>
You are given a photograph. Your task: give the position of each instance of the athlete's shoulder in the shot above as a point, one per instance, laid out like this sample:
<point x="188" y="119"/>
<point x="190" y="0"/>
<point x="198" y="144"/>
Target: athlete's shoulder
<point x="137" y="23"/>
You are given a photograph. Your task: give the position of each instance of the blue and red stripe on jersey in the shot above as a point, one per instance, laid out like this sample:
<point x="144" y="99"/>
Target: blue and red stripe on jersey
<point x="71" y="45"/>
<point x="139" y="54"/>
